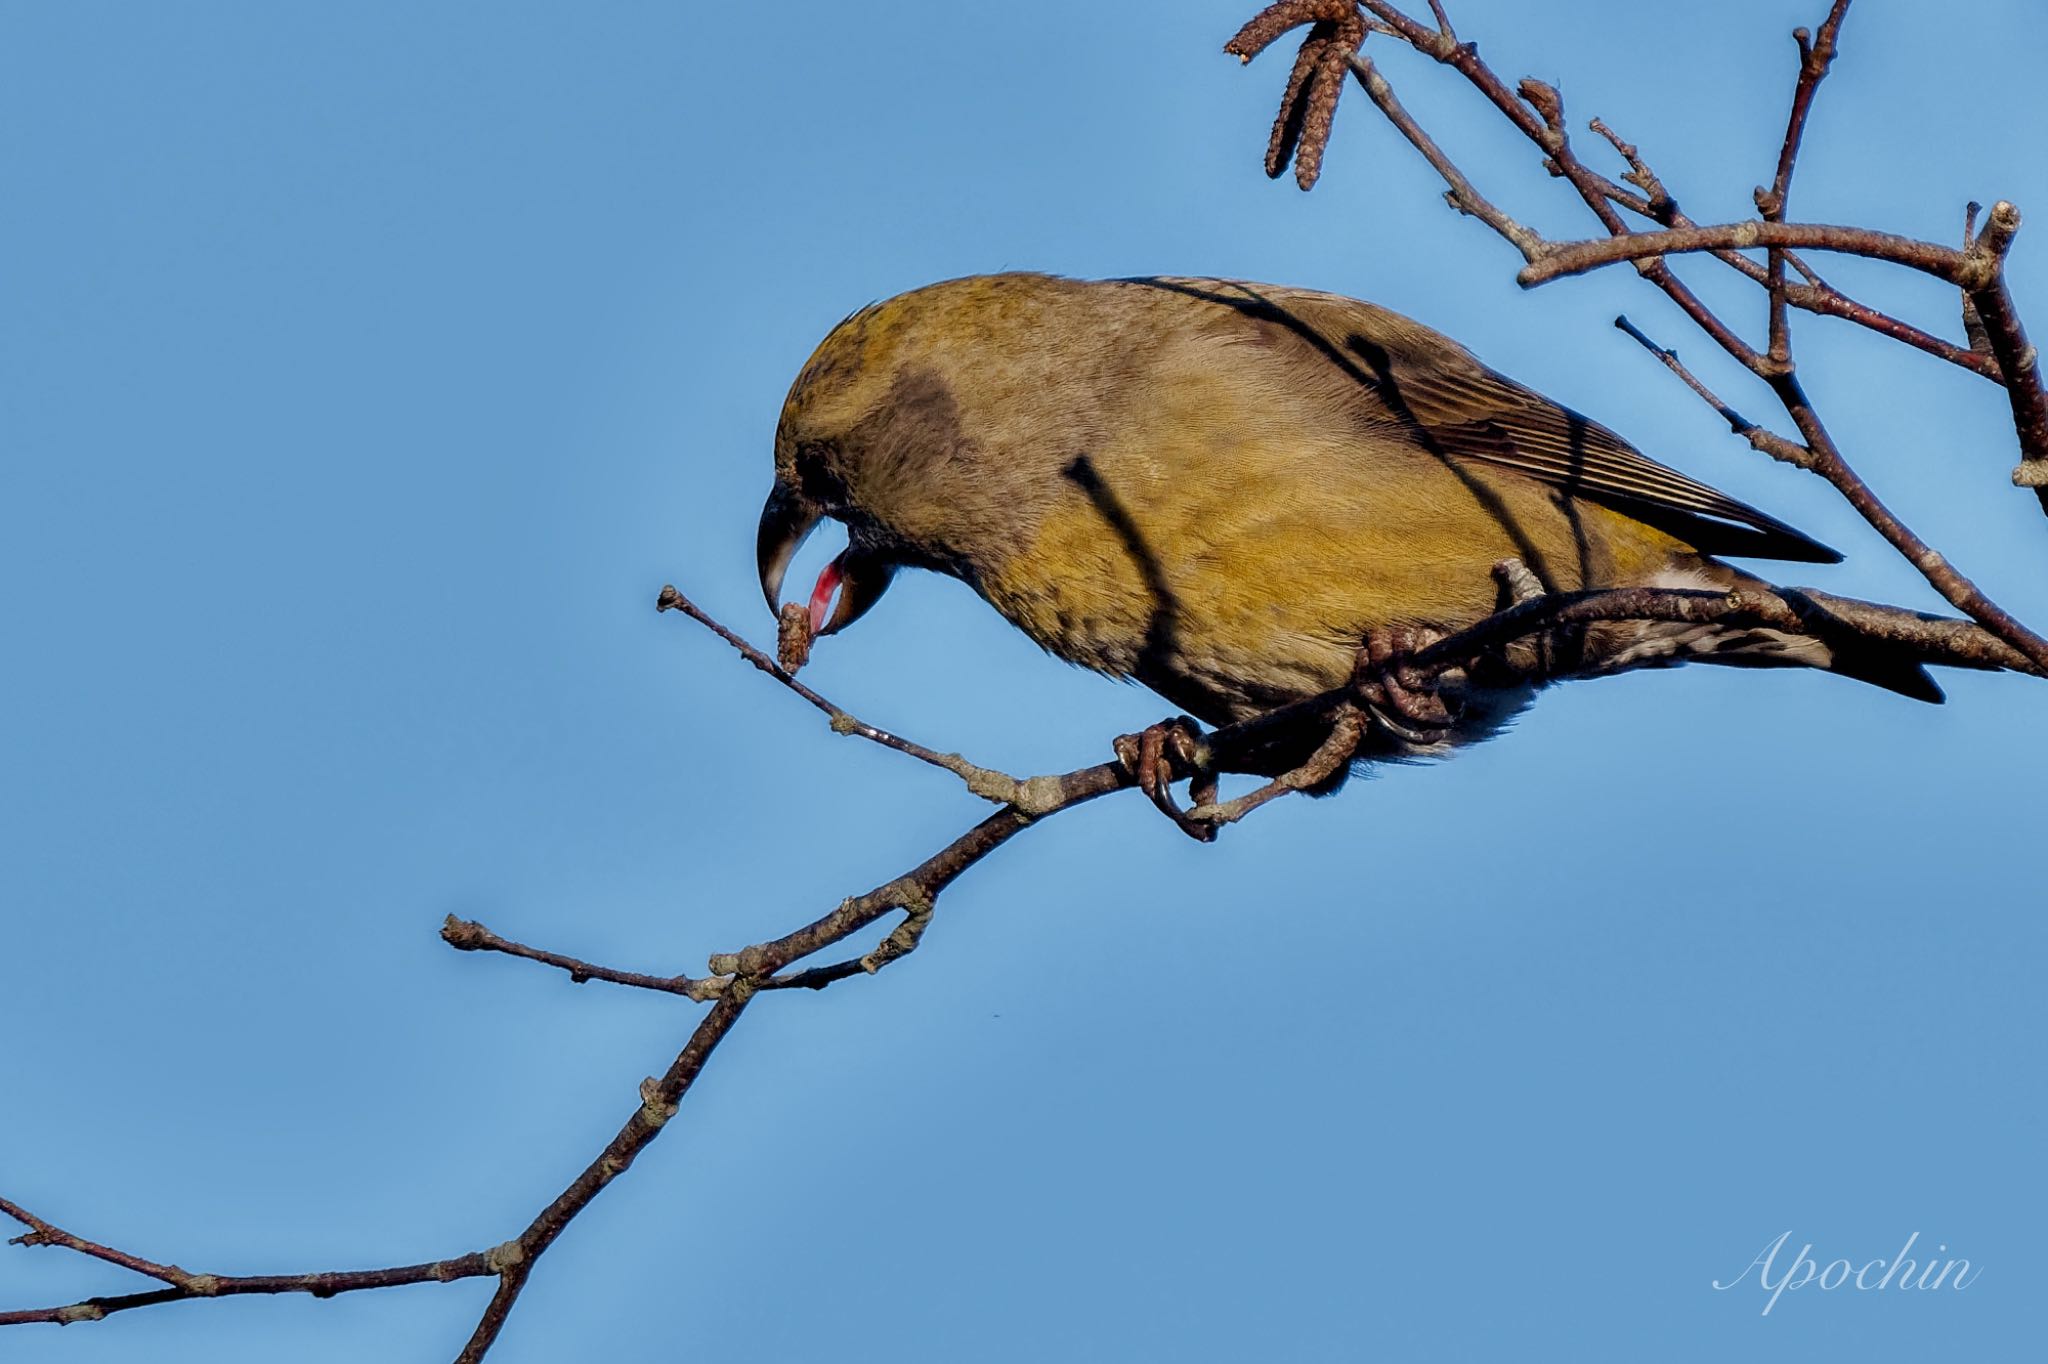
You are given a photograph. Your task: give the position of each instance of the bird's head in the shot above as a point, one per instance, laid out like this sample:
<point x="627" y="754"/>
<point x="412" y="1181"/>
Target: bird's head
<point x="871" y="436"/>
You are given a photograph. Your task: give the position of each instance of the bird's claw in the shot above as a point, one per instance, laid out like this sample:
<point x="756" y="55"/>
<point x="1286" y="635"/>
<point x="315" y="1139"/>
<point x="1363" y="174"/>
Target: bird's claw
<point x="1347" y="730"/>
<point x="1154" y="754"/>
<point x="1401" y="701"/>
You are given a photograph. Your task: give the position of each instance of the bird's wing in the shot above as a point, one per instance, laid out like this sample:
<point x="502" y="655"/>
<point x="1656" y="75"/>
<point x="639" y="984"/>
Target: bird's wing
<point x="1455" y="407"/>
<point x="1465" y="410"/>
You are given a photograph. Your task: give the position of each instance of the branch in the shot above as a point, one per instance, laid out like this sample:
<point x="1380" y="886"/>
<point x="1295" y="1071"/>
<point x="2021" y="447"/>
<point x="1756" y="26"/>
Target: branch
<point x="1817" y="296"/>
<point x="2017" y="359"/>
<point x="659" y="1099"/>
<point x="1575" y="258"/>
<point x="1816" y="55"/>
<point x="182" y="1285"/>
<point x="1939" y="640"/>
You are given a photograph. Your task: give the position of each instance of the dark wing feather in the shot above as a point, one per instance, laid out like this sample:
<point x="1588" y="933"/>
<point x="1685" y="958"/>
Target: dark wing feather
<point x="1454" y="406"/>
<point x="1473" y="413"/>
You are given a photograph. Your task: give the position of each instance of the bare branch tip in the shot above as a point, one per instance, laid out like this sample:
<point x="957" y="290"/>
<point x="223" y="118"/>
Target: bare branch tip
<point x="464" y="935"/>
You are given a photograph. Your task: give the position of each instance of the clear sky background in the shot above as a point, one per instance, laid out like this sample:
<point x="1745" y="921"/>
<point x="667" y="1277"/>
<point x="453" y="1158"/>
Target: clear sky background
<point x="364" y="372"/>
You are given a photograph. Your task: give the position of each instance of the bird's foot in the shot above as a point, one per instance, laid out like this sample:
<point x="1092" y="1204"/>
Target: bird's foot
<point x="1347" y="730"/>
<point x="1152" y="757"/>
<point x="1404" y="703"/>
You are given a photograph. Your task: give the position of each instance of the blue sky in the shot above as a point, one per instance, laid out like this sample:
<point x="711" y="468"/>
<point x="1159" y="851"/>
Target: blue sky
<point x="364" y="372"/>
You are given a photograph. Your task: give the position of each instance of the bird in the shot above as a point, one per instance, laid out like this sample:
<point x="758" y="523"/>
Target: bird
<point x="1233" y="493"/>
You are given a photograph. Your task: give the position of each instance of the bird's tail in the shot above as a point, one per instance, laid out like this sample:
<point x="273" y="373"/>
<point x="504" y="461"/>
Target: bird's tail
<point x="1651" y="644"/>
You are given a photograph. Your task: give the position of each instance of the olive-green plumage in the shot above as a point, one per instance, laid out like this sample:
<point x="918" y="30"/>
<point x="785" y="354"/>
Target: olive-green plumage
<point x="1218" y="488"/>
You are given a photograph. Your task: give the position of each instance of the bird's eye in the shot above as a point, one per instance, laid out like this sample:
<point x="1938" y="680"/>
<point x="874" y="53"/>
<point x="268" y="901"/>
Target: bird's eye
<point x="818" y="476"/>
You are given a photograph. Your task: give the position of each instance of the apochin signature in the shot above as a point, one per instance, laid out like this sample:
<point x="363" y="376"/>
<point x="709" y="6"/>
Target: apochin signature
<point x="1899" y="1272"/>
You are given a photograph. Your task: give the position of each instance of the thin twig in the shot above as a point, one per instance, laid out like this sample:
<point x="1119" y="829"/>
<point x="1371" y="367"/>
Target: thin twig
<point x="1823" y="299"/>
<point x="1815" y="295"/>
<point x="1656" y="203"/>
<point x="466" y="935"/>
<point x="183" y="1286"/>
<point x="1761" y="438"/>
<point x="1816" y="55"/>
<point x="41" y="1233"/>
<point x="986" y="782"/>
<point x="1461" y="195"/>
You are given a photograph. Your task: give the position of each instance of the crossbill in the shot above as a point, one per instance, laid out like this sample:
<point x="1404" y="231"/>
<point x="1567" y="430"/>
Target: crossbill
<point x="1223" y="490"/>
